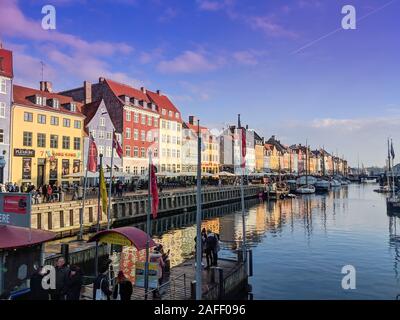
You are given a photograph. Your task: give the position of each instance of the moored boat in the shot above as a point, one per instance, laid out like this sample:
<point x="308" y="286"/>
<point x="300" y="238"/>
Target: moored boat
<point x="306" y="189"/>
<point x="322" y="186"/>
<point x="335" y="183"/>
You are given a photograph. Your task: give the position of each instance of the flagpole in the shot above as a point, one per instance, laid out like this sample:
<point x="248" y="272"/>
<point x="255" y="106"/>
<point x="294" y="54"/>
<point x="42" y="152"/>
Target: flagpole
<point x="199" y="252"/>
<point x="148" y="231"/>
<point x="392" y="153"/>
<point x="82" y="209"/>
<point x="243" y="169"/>
<point x="96" y="267"/>
<point x="110" y="186"/>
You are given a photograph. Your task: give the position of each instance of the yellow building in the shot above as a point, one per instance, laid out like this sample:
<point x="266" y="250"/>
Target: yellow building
<point x="46" y="137"/>
<point x="274" y="156"/>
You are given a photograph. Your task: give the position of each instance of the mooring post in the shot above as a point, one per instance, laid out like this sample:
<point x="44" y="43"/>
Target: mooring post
<point x="193" y="290"/>
<point x="221" y="283"/>
<point x="250" y="253"/>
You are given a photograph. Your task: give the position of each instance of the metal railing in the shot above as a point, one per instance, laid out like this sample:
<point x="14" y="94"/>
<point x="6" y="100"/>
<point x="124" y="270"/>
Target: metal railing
<point x="175" y="288"/>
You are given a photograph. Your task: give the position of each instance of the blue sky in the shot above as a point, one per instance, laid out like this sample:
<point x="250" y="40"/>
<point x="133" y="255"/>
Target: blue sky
<point x="219" y="58"/>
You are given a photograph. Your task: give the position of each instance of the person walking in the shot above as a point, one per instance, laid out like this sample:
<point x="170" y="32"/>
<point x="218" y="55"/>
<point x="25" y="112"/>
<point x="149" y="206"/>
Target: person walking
<point x="123" y="288"/>
<point x="156" y="257"/>
<point x="62" y="272"/>
<point x="211" y="244"/>
<point x="36" y="287"/>
<point x="74" y="284"/>
<point x="101" y="289"/>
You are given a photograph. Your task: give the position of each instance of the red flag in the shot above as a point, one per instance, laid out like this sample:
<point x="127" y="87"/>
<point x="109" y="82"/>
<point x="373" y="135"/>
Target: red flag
<point x="243" y="147"/>
<point x="117" y="146"/>
<point x="154" y="191"/>
<point x="92" y="155"/>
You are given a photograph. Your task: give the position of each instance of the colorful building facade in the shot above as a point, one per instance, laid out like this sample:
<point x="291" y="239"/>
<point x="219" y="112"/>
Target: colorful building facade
<point x="46" y="136"/>
<point x="6" y="82"/>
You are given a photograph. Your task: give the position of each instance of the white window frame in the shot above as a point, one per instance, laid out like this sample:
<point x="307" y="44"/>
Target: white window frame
<point x="3" y="85"/>
<point x="2" y="109"/>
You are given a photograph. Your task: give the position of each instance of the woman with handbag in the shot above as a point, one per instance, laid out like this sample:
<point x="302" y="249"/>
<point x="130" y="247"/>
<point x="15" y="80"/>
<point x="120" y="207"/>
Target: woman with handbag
<point x="123" y="288"/>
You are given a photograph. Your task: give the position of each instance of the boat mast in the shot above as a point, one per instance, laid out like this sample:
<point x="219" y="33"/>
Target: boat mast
<point x="388" y="172"/>
<point x="306" y="163"/>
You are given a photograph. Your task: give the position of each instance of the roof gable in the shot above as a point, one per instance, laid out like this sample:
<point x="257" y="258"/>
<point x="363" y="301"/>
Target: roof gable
<point x="6" y="63"/>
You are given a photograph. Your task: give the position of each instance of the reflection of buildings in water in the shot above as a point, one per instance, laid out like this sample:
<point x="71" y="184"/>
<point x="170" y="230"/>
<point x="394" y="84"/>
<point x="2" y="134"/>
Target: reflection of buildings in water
<point x="188" y="244"/>
<point x="172" y="240"/>
<point x="260" y="220"/>
<point x="211" y="224"/>
<point x="394" y="243"/>
<point x="227" y="227"/>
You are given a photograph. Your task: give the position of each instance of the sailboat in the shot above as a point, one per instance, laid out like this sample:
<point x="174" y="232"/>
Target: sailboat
<point x="393" y="201"/>
<point x="307" y="188"/>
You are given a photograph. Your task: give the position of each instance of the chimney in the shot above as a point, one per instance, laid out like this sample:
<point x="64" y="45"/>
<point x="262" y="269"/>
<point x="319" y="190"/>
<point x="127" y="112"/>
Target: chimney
<point x="273" y="137"/>
<point x="87" y="92"/>
<point x="143" y="89"/>
<point x="192" y="120"/>
<point x="247" y="127"/>
<point x="101" y="80"/>
<point x="46" y="86"/>
<point x="159" y="92"/>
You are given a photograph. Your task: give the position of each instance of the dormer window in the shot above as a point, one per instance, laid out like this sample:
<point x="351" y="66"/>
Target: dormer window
<point x="72" y="107"/>
<point x="135" y="102"/>
<point x="38" y="100"/>
<point x="55" y="103"/>
<point x="164" y="112"/>
<point x="177" y="115"/>
<point x="153" y="106"/>
<point x="170" y="114"/>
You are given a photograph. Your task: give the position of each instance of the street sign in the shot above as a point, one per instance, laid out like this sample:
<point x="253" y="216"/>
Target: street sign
<point x="15" y="209"/>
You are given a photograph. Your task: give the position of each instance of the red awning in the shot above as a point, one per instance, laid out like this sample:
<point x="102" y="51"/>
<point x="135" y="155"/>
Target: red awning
<point x="125" y="236"/>
<point x="12" y="237"/>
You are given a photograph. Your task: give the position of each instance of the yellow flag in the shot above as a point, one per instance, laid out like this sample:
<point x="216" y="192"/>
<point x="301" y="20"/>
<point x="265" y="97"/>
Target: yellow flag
<point x="103" y="191"/>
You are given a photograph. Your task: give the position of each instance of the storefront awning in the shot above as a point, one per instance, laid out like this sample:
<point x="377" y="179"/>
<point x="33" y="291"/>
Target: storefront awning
<point x="125" y="236"/>
<point x="12" y="237"/>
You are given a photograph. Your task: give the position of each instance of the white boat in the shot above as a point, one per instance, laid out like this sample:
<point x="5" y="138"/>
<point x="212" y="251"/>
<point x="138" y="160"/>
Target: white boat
<point x="306" y="180"/>
<point x="335" y="183"/>
<point x="306" y="189"/>
<point x="322" y="185"/>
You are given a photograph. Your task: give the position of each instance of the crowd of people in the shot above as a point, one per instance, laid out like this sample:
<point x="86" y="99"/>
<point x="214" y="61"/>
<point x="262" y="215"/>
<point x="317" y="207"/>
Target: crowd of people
<point x="44" y="193"/>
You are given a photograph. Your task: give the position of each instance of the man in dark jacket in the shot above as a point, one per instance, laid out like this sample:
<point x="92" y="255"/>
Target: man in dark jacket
<point x="102" y="283"/>
<point x="62" y="272"/>
<point x="74" y="283"/>
<point x="37" y="290"/>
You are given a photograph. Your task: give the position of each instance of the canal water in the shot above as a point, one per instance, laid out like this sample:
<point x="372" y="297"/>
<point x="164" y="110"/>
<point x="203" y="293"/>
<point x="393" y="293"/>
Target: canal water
<point x="300" y="245"/>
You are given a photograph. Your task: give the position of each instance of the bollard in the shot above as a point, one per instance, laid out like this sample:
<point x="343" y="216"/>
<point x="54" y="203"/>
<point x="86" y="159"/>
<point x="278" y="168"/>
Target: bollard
<point x="65" y="252"/>
<point x="193" y="290"/>
<point x="220" y="283"/>
<point x="250" y="252"/>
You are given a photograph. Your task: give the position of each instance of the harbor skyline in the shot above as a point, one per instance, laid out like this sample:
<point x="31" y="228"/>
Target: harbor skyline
<point x="342" y="87"/>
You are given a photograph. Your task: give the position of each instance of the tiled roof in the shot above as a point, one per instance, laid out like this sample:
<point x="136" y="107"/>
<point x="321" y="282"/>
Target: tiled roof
<point x="21" y="96"/>
<point x="121" y="89"/>
<point x="163" y="102"/>
<point x="89" y="110"/>
<point x="6" y="63"/>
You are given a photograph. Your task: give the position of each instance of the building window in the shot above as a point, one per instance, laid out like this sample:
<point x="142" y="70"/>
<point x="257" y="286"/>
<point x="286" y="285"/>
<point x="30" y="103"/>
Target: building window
<point x="65" y="142"/>
<point x="101" y="149"/>
<point x="170" y="114"/>
<point x="163" y="124"/>
<point x="168" y="125"/>
<point x="102" y="122"/>
<point x="41" y="118"/>
<point x="66" y="123"/>
<point x="128" y="133"/>
<point x="41" y="140"/>
<point x="149" y="121"/>
<point x="135" y="134"/>
<point x="128" y="169"/>
<point x="143" y="135"/>
<point x="28" y="116"/>
<point x="177" y="115"/>
<point x="178" y="153"/>
<point x="128" y="151"/>
<point x="27" y="141"/>
<point x="178" y="127"/>
<point x="136" y="117"/>
<point x="54" y="121"/>
<point x="77" y="143"/>
<point x="155" y="153"/>
<point x="128" y="116"/>
<point x="156" y="122"/>
<point x="101" y="134"/>
<point x="53" y="141"/>
<point x="3" y="85"/>
<point x="135" y="170"/>
<point x="143" y="119"/>
<point x="143" y="152"/>
<point x="149" y="136"/>
<point x="109" y="135"/>
<point x="164" y="112"/>
<point x="93" y="133"/>
<point x="108" y="152"/>
<point x="2" y="110"/>
<point x="163" y="168"/>
<point x="178" y="140"/>
<point x="1" y="136"/>
<point x="136" y="152"/>
<point x="142" y="170"/>
<point x="77" y="124"/>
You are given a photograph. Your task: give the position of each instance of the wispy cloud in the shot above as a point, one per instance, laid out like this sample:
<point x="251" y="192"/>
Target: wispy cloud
<point x="71" y="53"/>
<point x="270" y="27"/>
<point x="190" y="62"/>
<point x="248" y="57"/>
<point x="213" y="5"/>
